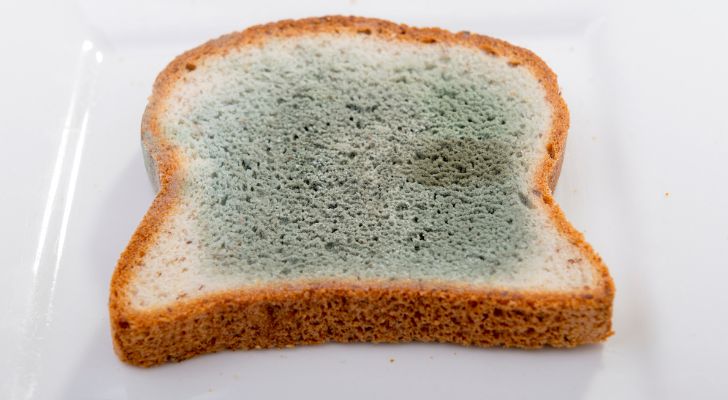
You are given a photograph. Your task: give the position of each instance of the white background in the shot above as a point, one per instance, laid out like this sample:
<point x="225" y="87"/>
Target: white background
<point x="645" y="177"/>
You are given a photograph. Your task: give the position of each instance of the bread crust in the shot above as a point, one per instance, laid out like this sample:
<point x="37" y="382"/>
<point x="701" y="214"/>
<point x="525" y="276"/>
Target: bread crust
<point x="318" y="311"/>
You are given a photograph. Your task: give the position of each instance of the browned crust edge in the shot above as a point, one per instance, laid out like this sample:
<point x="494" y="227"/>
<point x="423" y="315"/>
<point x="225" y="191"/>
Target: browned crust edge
<point x="317" y="312"/>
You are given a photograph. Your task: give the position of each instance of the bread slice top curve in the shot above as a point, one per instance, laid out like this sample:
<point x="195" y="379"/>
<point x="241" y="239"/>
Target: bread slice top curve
<point x="355" y="153"/>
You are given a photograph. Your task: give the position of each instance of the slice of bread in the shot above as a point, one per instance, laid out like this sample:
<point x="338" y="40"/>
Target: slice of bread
<point x="350" y="179"/>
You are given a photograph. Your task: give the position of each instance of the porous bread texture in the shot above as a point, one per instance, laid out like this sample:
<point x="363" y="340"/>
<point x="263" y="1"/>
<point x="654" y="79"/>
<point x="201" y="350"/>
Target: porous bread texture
<point x="324" y="156"/>
<point x="318" y="167"/>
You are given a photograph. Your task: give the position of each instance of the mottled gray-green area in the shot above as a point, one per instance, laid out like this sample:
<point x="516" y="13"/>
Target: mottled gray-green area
<point x="323" y="160"/>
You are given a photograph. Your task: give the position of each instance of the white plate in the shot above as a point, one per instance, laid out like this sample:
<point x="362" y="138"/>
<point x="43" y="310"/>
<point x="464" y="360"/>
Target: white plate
<point x="646" y="87"/>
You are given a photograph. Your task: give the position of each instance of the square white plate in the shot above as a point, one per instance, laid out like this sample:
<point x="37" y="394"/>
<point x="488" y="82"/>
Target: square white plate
<point x="645" y="178"/>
